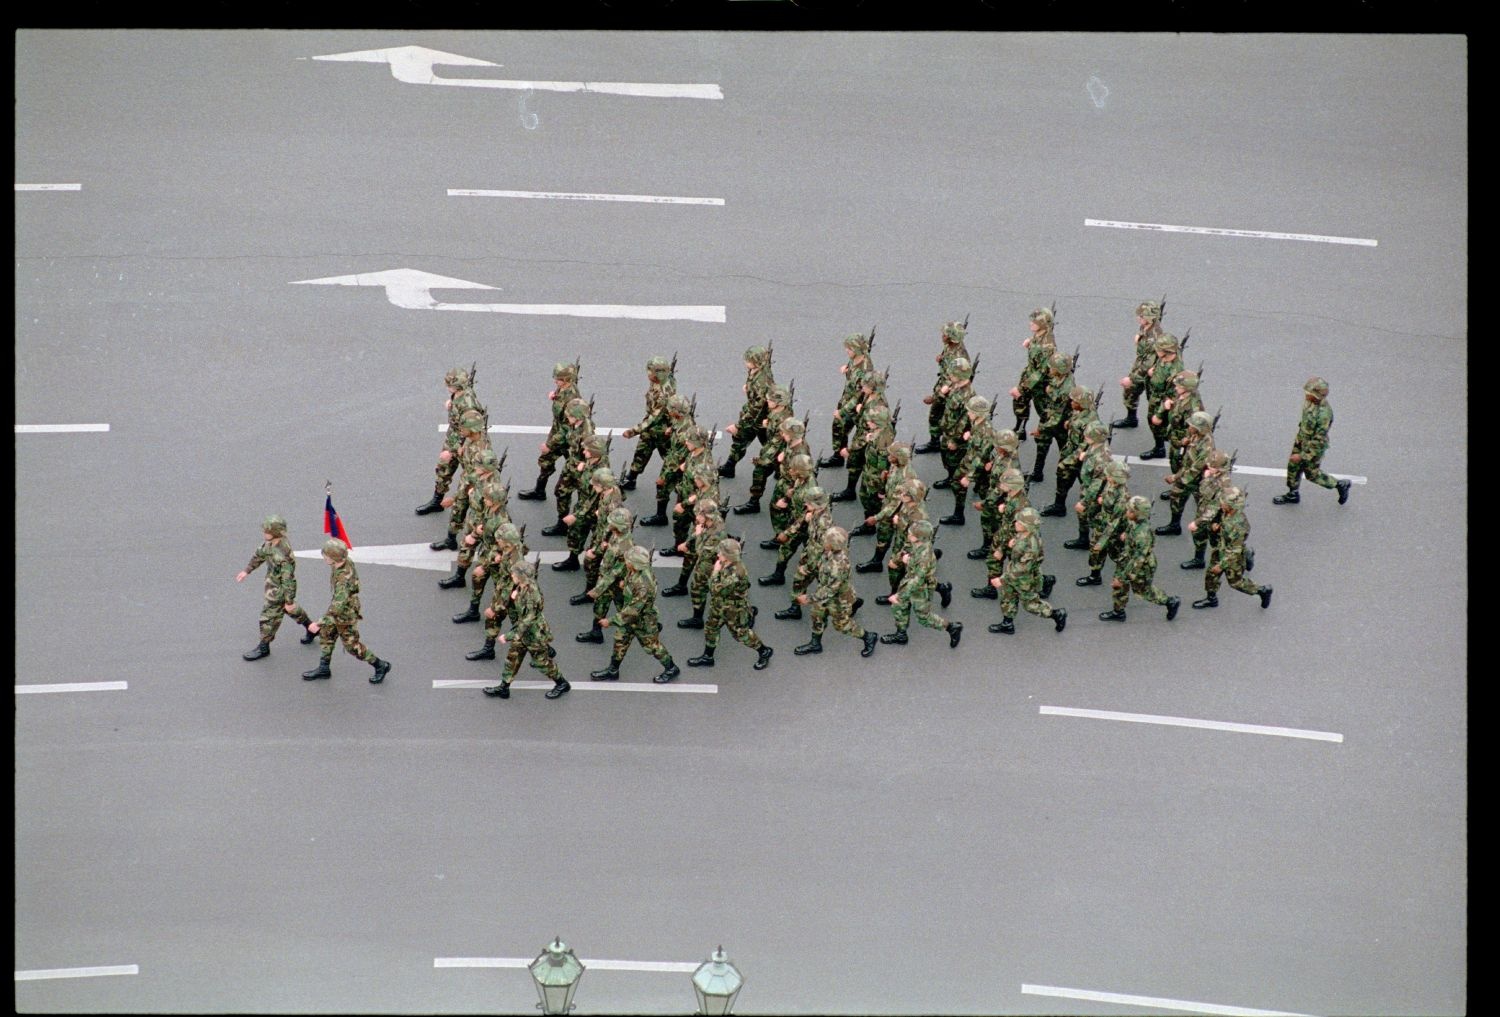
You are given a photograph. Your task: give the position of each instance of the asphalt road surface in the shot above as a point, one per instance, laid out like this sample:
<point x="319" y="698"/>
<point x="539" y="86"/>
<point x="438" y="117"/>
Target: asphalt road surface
<point x="915" y="833"/>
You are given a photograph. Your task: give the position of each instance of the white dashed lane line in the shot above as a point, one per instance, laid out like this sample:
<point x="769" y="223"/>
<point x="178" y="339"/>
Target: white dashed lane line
<point x="59" y="428"/>
<point x="1254" y="471"/>
<point x="592" y="965"/>
<point x="455" y="192"/>
<point x="1210" y="725"/>
<point x="49" y="187"/>
<point x="1219" y="232"/>
<point x="43" y="973"/>
<point x="73" y="687"/>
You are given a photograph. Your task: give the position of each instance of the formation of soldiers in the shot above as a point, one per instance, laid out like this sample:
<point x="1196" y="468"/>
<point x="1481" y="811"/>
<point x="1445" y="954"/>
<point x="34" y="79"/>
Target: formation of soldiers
<point x="982" y="469"/>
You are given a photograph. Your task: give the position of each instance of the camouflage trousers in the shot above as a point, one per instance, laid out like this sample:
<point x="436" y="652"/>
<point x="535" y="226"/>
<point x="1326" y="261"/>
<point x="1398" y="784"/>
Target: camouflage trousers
<point x="466" y="552"/>
<point x="1178" y="496"/>
<point x="915" y="598"/>
<point x="1025" y="588"/>
<point x="1067" y="471"/>
<point x="654" y="440"/>
<point x="608" y="597"/>
<point x="1021" y="407"/>
<point x="935" y="416"/>
<point x="1134" y="390"/>
<point x="541" y="660"/>
<point x="547" y="461"/>
<point x="785" y="551"/>
<point x="1044" y="440"/>
<point x="458" y="515"/>
<point x="330" y="631"/>
<point x="1175" y="452"/>
<point x="1159" y="432"/>
<point x="1138" y="578"/>
<point x="579" y="533"/>
<point x="838" y="611"/>
<point x="1309" y="466"/>
<point x="733" y="614"/>
<point x="501" y="607"/>
<point x="871" y="495"/>
<point x="701" y="570"/>
<point x="271" y="614"/>
<point x="1228" y="563"/>
<point x="780" y="517"/>
<point x="952" y="458"/>
<point x="742" y="440"/>
<point x="644" y="632"/>
<point x="479" y="580"/>
<point x="567" y="484"/>
<point x="895" y="571"/>
<point x="758" y="478"/>
<point x="807" y="571"/>
<point x="443" y="475"/>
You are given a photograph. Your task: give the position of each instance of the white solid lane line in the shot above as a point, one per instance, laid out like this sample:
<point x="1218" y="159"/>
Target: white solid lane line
<point x="583" y="686"/>
<point x="59" y="428"/>
<point x="1254" y="471"/>
<point x="1153" y="1002"/>
<point x="1218" y="232"/>
<point x="49" y="187"/>
<point x="73" y="687"/>
<point x="538" y="429"/>
<point x="41" y="973"/>
<point x="592" y="965"/>
<point x="1211" y="725"/>
<point x="458" y="192"/>
<point x="422" y="556"/>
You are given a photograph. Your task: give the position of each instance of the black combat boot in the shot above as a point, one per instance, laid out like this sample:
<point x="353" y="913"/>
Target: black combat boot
<point x="670" y="670"/>
<point x="1292" y="497"/>
<point x="1157" y="451"/>
<point x="1080" y="542"/>
<point x="1195" y="562"/>
<point x="956" y="518"/>
<point x="694" y="620"/>
<point x="431" y="506"/>
<point x="954" y="630"/>
<point x="595" y="634"/>
<point x="557" y="529"/>
<point x="832" y="459"/>
<point x="501" y="691"/>
<point x="898" y="637"/>
<point x="454" y="581"/>
<point x="945" y="593"/>
<point x="321" y="671"/>
<point x="1092" y="579"/>
<point x="485" y="652"/>
<point x="792" y="612"/>
<point x="1173" y="527"/>
<point x="927" y="447"/>
<point x="776" y="578"/>
<point x="977" y="553"/>
<point x="859" y="602"/>
<point x="472" y="614"/>
<point x="677" y="589"/>
<point x="1265" y="596"/>
<point x="1047" y="583"/>
<point x="704" y="659"/>
<point x="568" y="564"/>
<point x="862" y="530"/>
<point x="537" y="493"/>
<point x="1114" y="614"/>
<point x="1211" y="600"/>
<point x="445" y="543"/>
<point x="870" y="640"/>
<point x="813" y="645"/>
<point x="1060" y="617"/>
<point x="308" y="635"/>
<point x="770" y="544"/>
<point x="1038" y="470"/>
<point x="847" y="494"/>
<point x="1020" y="429"/>
<point x="607" y="674"/>
<point x="1128" y="420"/>
<point x="985" y="592"/>
<point x="627" y="482"/>
<point x="763" y="657"/>
<point x="1173" y="603"/>
<point x="1164" y="496"/>
<point x="1343" y="486"/>
<point x="877" y="560"/>
<point x="660" y="518"/>
<point x="669" y="551"/>
<point x="945" y="484"/>
<point x="1004" y="625"/>
<point x="750" y="507"/>
<point x="382" y="668"/>
<point x="262" y="649"/>
<point x="1057" y="508"/>
<point x="1249" y="559"/>
<point x="726" y="470"/>
<point x="580" y="598"/>
<point x="559" y="686"/>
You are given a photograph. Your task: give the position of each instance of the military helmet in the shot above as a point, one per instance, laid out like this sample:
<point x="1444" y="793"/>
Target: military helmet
<point x="953" y="332"/>
<point x="1081" y="395"/>
<point x="1117" y="471"/>
<point x="856" y="344"/>
<point x="1165" y="343"/>
<point x="835" y="538"/>
<point x="1007" y="440"/>
<point x="520" y="571"/>
<point x="336" y="549"/>
<point x="456" y="378"/>
<point x="508" y="533"/>
<point x="1029" y="518"/>
<point x="730" y="548"/>
<point x="1201" y="421"/>
<point x="1140" y="505"/>
<point x="877" y="417"/>
<point x="471" y="421"/>
<point x="619" y="518"/>
<point x="678" y="405"/>
<point x="596" y="444"/>
<point x="780" y="395"/>
<point x="1095" y="431"/>
<point x="638" y="557"/>
<point x="794" y="427"/>
<point x="604" y="477"/>
<point x="1187" y="380"/>
<point x="1012" y="480"/>
<point x="487" y="461"/>
<point x="921" y="529"/>
<point x="800" y="463"/>
<point x="1234" y="495"/>
<point x="1148" y="309"/>
<point x="915" y="488"/>
<point x="900" y="452"/>
<point x="1218" y="459"/>
<point x="962" y="366"/>
<point x="658" y="365"/>
<point x="565" y="370"/>
<point x="274" y="525"/>
<point x="1043" y="317"/>
<point x="493" y="490"/>
<point x="1316" y="386"/>
<point x="816" y="496"/>
<point x="1060" y="363"/>
<point x="979" y="406"/>
<point x="578" y="408"/>
<point x="706" y="507"/>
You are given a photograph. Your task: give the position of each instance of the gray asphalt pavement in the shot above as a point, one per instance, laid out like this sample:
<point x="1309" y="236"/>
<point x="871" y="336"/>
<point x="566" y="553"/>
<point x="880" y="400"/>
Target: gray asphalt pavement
<point x="907" y="834"/>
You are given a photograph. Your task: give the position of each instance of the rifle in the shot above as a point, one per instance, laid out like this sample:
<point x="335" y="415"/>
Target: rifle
<point x="501" y="468"/>
<point x="965" y="325"/>
<point x="1232" y="457"/>
<point x="895" y="416"/>
<point x="522" y="541"/>
<point x="770" y="350"/>
<point x="870" y="346"/>
<point x="578" y="367"/>
<point x="1076" y="350"/>
<point x="673" y="369"/>
<point x="473" y="370"/>
<point x="1163" y="305"/>
<point x="791" y="393"/>
<point x="993" y="403"/>
<point x="591" y="409"/>
<point x="806" y="420"/>
<point x="974" y="365"/>
<point x="609" y="440"/>
<point x="693" y="408"/>
<point x="1199" y="372"/>
<point x="1182" y="346"/>
<point x="713" y="436"/>
<point x="1053" y="311"/>
<point x="1098" y="396"/>
<point x="1215" y="425"/>
<point x="816" y="468"/>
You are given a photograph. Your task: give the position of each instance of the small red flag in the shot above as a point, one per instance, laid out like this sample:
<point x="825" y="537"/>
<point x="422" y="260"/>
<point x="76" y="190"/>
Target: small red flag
<point x="332" y="524"/>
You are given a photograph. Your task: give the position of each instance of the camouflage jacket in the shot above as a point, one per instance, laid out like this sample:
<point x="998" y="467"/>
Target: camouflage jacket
<point x="1312" y="429"/>
<point x="1110" y="516"/>
<point x="812" y="551"/>
<point x="729" y="584"/>
<point x="281" y="570"/>
<point x="1024" y="557"/>
<point x="921" y="569"/>
<point x="946" y="356"/>
<point x="1159" y="379"/>
<point x="529" y="624"/>
<point x="638" y="601"/>
<point x="344" y="582"/>
<point x="834" y="579"/>
<point x="1145" y="351"/>
<point x="877" y="462"/>
<point x="955" y="419"/>
<point x="557" y="436"/>
<point x="773" y="443"/>
<point x="1039" y="350"/>
<point x="1177" y="417"/>
<point x="858" y="429"/>
<point x="978" y="451"/>
<point x="655" y="420"/>
<point x="890" y="502"/>
<point x="1054" y="405"/>
<point x="611" y="563"/>
<point x="1137" y="549"/>
<point x="1194" y="458"/>
<point x="758" y="384"/>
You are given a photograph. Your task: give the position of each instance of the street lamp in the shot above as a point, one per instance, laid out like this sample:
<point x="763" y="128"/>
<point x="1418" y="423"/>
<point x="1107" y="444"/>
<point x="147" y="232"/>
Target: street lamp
<point x="717" y="982"/>
<point x="556" y="972"/>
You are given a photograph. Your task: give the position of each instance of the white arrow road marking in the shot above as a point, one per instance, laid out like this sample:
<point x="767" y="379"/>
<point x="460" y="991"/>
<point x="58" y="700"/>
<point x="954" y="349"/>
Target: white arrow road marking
<point x="467" y="683"/>
<point x="592" y="965"/>
<point x="1152" y="1002"/>
<point x="1211" y="725"/>
<point x="1254" y="471"/>
<point x="1216" y="231"/>
<point x="49" y="187"/>
<point x="422" y="556"/>
<point x="414" y="66"/>
<point x="59" y="428"/>
<point x="411" y="289"/>
<point x="454" y="192"/>
<point x="113" y="969"/>
<point x="74" y="687"/>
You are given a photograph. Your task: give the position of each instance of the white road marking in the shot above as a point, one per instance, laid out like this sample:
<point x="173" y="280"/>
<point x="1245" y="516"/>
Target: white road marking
<point x="537" y="429"/>
<point x="1153" y="1002"/>
<point x="1212" y="725"/>
<point x="73" y="687"/>
<point x="1254" y="471"/>
<point x="414" y="66"/>
<point x="455" y="192"/>
<point x="592" y="965"/>
<point x="49" y="187"/>
<point x="1218" y="232"/>
<point x="422" y="556"/>
<point x="584" y="686"/>
<point x="114" y="969"/>
<point x="59" y="428"/>
<point x="411" y="289"/>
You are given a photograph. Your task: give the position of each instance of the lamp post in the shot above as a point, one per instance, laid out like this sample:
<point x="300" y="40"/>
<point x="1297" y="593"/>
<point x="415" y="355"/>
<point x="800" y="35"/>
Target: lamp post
<point x="556" y="972"/>
<point x="716" y="983"/>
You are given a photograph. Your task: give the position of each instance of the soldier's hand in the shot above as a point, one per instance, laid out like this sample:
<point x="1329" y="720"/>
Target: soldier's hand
<point x="963" y="481"/>
<point x="478" y="571"/>
<point x="927" y="400"/>
<point x="677" y="509"/>
<point x="552" y="396"/>
<point x="996" y="581"/>
<point x="943" y="389"/>
<point x="1193" y="526"/>
<point x="732" y="430"/>
<point x="1078" y="508"/>
<point x="781" y="503"/>
<point x="1155" y="419"/>
<point x="1036" y="432"/>
<point x="803" y="598"/>
<point x="1015" y="392"/>
<point x="629" y="432"/>
<point x="501" y="638"/>
<point x="589" y="554"/>
<point x="444" y="456"/>
<point x="447" y="502"/>
<point x="905" y="558"/>
<point x="570" y="519"/>
<point x="543" y="446"/>
<point x="979" y="504"/>
<point x="288" y="606"/>
<point x="314" y="627"/>
<point x="489" y="612"/>
<point x="780" y="456"/>
<point x="1011" y="542"/>
<point x="1294" y="457"/>
<point x="469" y="539"/>
<point x="241" y="577"/>
<point x="1167" y="403"/>
<point x="604" y="622"/>
<point x="592" y="594"/>
<point x="1124" y="382"/>
<point x="869" y="520"/>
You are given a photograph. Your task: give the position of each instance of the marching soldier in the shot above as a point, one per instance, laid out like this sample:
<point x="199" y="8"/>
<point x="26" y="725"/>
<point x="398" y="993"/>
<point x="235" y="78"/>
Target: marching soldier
<point x="752" y="423"/>
<point x="953" y="334"/>
<point x="610" y="578"/>
<point x="845" y="413"/>
<point x="1039" y="346"/>
<point x="679" y="417"/>
<point x="1310" y="445"/>
<point x="1052" y="405"/>
<point x="879" y="435"/>
<point x="778" y="410"/>
<point x="1148" y="319"/>
<point x="1022" y="581"/>
<point x="506" y="550"/>
<point x="834" y="598"/>
<point x="281" y="586"/>
<point x="973" y="474"/>
<point x="1003" y="457"/>
<point x="473" y="441"/>
<point x="653" y="428"/>
<point x="871" y="400"/>
<point x="579" y="418"/>
<point x="1181" y="405"/>
<point x="899" y="473"/>
<point x="700" y="552"/>
<point x="341" y="620"/>
<point x="910" y="507"/>
<point x="800" y="487"/>
<point x="1081" y="415"/>
<point x="788" y="476"/>
<point x="460" y="398"/>
<point x="729" y="605"/>
<point x="1012" y="501"/>
<point x="637" y="621"/>
<point x="555" y="445"/>
<point x="816" y="519"/>
<point x="951" y="428"/>
<point x="607" y="498"/>
<point x="1210" y="491"/>
<point x="698" y="480"/>
<point x="493" y="501"/>
<point x="917" y="586"/>
<point x="1227" y="559"/>
<point x="480" y="470"/>
<point x="581" y="518"/>
<point x="530" y="634"/>
<point x="1158" y="387"/>
<point x="1093" y="457"/>
<point x="1196" y="448"/>
<point x="1136" y="566"/>
<point x="1106" y="518"/>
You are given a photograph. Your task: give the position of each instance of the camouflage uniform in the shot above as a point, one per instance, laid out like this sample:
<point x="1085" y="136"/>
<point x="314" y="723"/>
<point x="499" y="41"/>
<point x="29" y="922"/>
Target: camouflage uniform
<point x="1003" y="457"/>
<point x="857" y="347"/>
<point x="871" y="403"/>
<point x="1106" y="518"/>
<point x="1310" y="445"/>
<point x="530" y="635"/>
<point x="1136" y="566"/>
<point x="555" y="445"/>
<point x="897" y="474"/>
<point x="493" y="502"/>
<point x="1093" y="457"/>
<point x="1080" y="415"/>
<point x="953" y="334"/>
<point x="917" y="587"/>
<point x="698" y="561"/>
<point x="474" y="440"/>
<point x="1022" y="580"/>
<point x="460" y="398"/>
<point x="834" y="598"/>
<point x="778" y="411"/>
<point x="637" y="620"/>
<point x="1216" y="474"/>
<point x="800" y="486"/>
<point x="751" y="424"/>
<point x="1148" y="317"/>
<point x="816" y="520"/>
<point x="506" y="551"/>
<point x="1040" y="346"/>
<point x="653" y="428"/>
<point x="1158" y="387"/>
<point x="281" y="586"/>
<point x="1185" y="480"/>
<point x="580" y="424"/>
<point x="973" y="475"/>
<point x="481" y="470"/>
<point x="1052" y="407"/>
<point x="879" y="434"/>
<point x="609" y="575"/>
<point x="729" y="605"/>
<point x="793" y="446"/>
<point x="1227" y="559"/>
<point x="1182" y="405"/>
<point x="1010" y="498"/>
<point x="341" y="620"/>
<point x="951" y="427"/>
<point x="910" y="507"/>
<point x="679" y="419"/>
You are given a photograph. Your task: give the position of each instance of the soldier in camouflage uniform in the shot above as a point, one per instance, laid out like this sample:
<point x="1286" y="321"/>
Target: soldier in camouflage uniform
<point x="879" y="434"/>
<point x="1158" y="388"/>
<point x="506" y="549"/>
<point x="679" y="419"/>
<point x="637" y="621"/>
<point x="581" y="518"/>
<point x="555" y="445"/>
<point x="1039" y="346"/>
<point x="460" y="398"/>
<point x="653" y="428"/>
<point x="1227" y="559"/>
<point x="1080" y="415"/>
<point x="1003" y="457"/>
<point x="871" y="400"/>
<point x="1022" y="581"/>
<point x="1310" y="445"/>
<point x="1053" y="407"/>
<point x="816" y="519"/>
<point x="834" y="598"/>
<point x="845" y="413"/>
<point x="607" y="497"/>
<point x="899" y="473"/>
<point x="778" y="410"/>
<point x="978" y="448"/>
<point x="953" y="334"/>
<point x="341" y="620"/>
<point x="1012" y="501"/>
<point x="951" y="428"/>
<point x="579" y="419"/>
<point x="493" y="503"/>
<point x="1148" y="319"/>
<point x="1181" y="405"/>
<point x="793" y="447"/>
<point x="530" y="634"/>
<point x="609" y="574"/>
<point x="800" y="487"/>
<point x="1106" y="519"/>
<point x="729" y="605"/>
<point x="281" y="586"/>
<point x="917" y="586"/>
<point x="1185" y="481"/>
<point x="699" y="553"/>
<point x="751" y="425"/>
<point x="480" y="470"/>
<point x="473" y="440"/>
<point x="1210" y="491"/>
<point x="699" y="479"/>
<point x="1136" y="567"/>
<point x="1093" y="457"/>
<point x="910" y="507"/>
